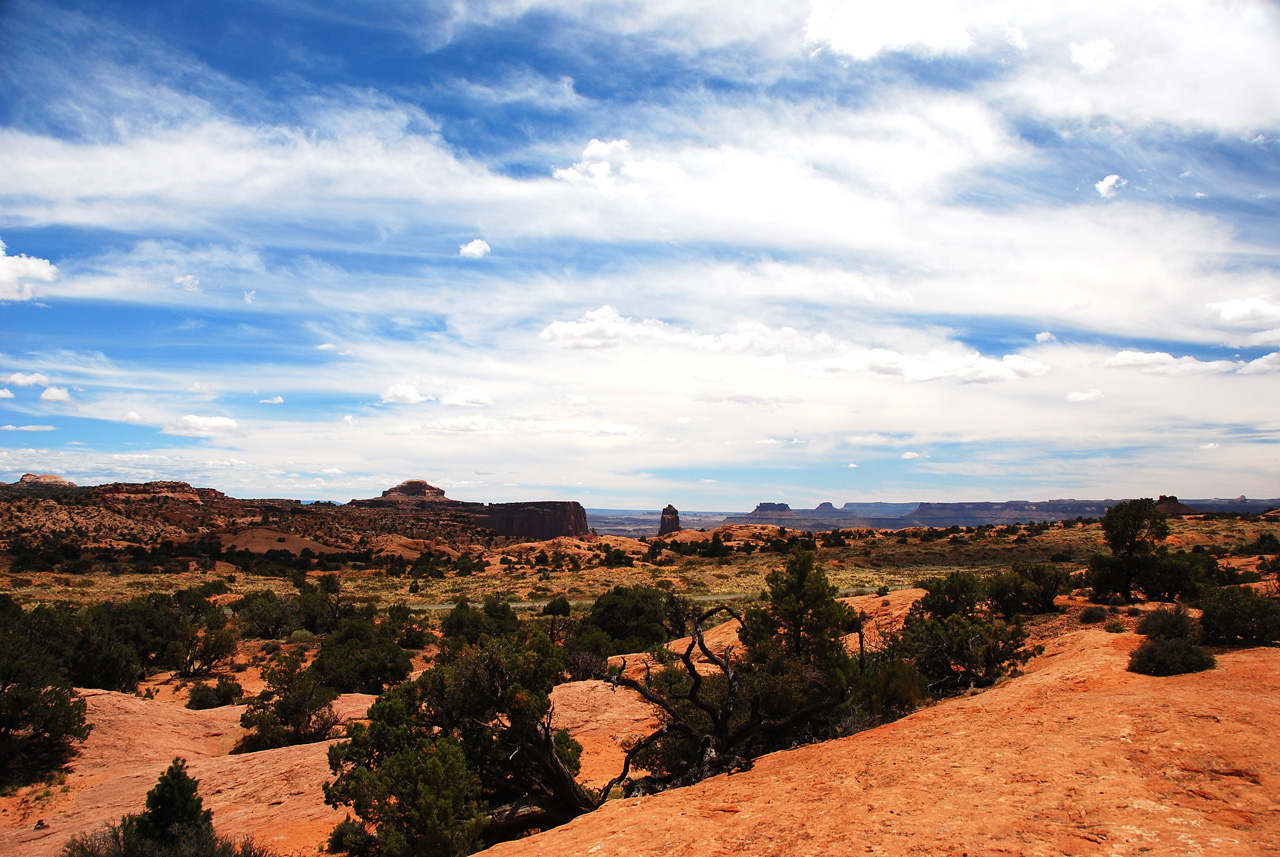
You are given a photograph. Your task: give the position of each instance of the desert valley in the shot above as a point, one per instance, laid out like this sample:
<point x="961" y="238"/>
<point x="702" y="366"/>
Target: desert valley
<point x="1038" y="740"/>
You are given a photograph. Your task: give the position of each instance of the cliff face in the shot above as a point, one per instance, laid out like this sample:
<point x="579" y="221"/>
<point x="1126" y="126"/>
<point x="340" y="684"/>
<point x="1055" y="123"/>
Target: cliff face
<point x="539" y="520"/>
<point x="546" y="519"/>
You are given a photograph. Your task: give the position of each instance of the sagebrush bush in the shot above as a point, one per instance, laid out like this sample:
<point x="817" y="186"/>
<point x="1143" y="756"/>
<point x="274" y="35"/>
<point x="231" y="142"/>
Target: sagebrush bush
<point x="1168" y="623"/>
<point x="1164" y="656"/>
<point x="1238" y="616"/>
<point x="1092" y="615"/>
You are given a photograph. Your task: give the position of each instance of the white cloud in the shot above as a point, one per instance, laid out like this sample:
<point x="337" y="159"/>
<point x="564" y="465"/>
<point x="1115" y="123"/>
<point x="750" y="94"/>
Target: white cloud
<point x="25" y="379"/>
<point x="55" y="394"/>
<point x="189" y="283"/>
<point x="472" y="398"/>
<point x="475" y="249"/>
<point x="909" y="456"/>
<point x="250" y="295"/>
<point x="1110" y="186"/>
<point x="1209" y="446"/>
<point x="404" y="394"/>
<point x="1255" y="311"/>
<point x="192" y="425"/>
<point x="1163" y="363"/>
<point x="28" y="428"/>
<point x="274" y="400"/>
<point x="1093" y="56"/>
<point x="852" y="465"/>
<point x="862" y="30"/>
<point x="132" y="417"/>
<point x="6" y="393"/>
<point x="17" y="272"/>
<point x="1090" y="395"/>
<point x="326" y="346"/>
<point x="1045" y="336"/>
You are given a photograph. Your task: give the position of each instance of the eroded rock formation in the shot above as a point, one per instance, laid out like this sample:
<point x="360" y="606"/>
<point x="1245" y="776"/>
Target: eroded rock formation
<point x="547" y="519"/>
<point x="670" y="521"/>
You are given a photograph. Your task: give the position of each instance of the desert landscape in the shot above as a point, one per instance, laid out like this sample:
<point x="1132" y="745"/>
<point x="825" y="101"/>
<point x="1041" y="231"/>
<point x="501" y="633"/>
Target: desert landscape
<point x="1057" y="749"/>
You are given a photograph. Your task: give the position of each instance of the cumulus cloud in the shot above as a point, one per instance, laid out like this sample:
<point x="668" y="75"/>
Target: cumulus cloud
<point x="192" y="425"/>
<point x="1109" y="186"/>
<point x="18" y="272"/>
<point x="1093" y="56"/>
<point x="1045" y="336"/>
<point x="326" y="346"/>
<point x="475" y="249"/>
<point x="1163" y="363"/>
<point x="601" y="328"/>
<point x="1257" y="311"/>
<point x="1091" y="395"/>
<point x="131" y="417"/>
<point x="27" y="428"/>
<point x="851" y="465"/>
<point x="909" y="456"/>
<point x="27" y="379"/>
<point x="404" y="394"/>
<point x="5" y="393"/>
<point x="274" y="400"/>
<point x="55" y="394"/>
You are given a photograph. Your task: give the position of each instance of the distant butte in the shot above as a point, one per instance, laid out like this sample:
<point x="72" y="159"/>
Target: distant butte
<point x="545" y="519"/>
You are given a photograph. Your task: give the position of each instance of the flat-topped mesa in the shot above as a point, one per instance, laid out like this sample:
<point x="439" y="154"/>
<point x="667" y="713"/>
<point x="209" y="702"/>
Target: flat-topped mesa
<point x="156" y="490"/>
<point x="417" y="488"/>
<point x="546" y="519"/>
<point x="670" y="522"/>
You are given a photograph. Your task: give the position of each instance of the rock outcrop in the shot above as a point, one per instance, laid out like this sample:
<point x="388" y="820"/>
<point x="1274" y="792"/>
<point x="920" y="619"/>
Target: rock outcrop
<point x="670" y="521"/>
<point x="45" y="479"/>
<point x="1172" y="507"/>
<point x="153" y="491"/>
<point x="546" y="519"/>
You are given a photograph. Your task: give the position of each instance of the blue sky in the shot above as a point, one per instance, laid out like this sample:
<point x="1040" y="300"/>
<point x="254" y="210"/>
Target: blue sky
<point x="639" y="253"/>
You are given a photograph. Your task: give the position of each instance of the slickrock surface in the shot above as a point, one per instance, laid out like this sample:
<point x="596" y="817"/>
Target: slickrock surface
<point x="1076" y="757"/>
<point x="274" y="795"/>
<point x="602" y="720"/>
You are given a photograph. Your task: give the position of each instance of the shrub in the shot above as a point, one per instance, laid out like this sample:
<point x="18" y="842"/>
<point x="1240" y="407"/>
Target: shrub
<point x="174" y="824"/>
<point x="1169" y="624"/>
<point x="359" y="658"/>
<point x="293" y="709"/>
<point x="227" y="692"/>
<point x="558" y="606"/>
<point x="1114" y="626"/>
<point x="630" y="618"/>
<point x="1092" y="615"/>
<point x="1238" y="616"/>
<point x="1026" y="589"/>
<point x="957" y="594"/>
<point x="1164" y="656"/>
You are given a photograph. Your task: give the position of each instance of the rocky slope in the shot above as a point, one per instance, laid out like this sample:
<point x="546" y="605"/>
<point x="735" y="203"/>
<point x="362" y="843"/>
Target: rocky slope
<point x="1076" y="757"/>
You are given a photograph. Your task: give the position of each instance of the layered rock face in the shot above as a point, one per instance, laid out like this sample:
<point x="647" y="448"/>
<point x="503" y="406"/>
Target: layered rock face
<point x="670" y="521"/>
<point x="546" y="519"/>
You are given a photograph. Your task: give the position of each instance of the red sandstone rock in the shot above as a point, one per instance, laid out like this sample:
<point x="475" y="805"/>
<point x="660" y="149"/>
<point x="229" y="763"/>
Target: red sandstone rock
<point x="670" y="522"/>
